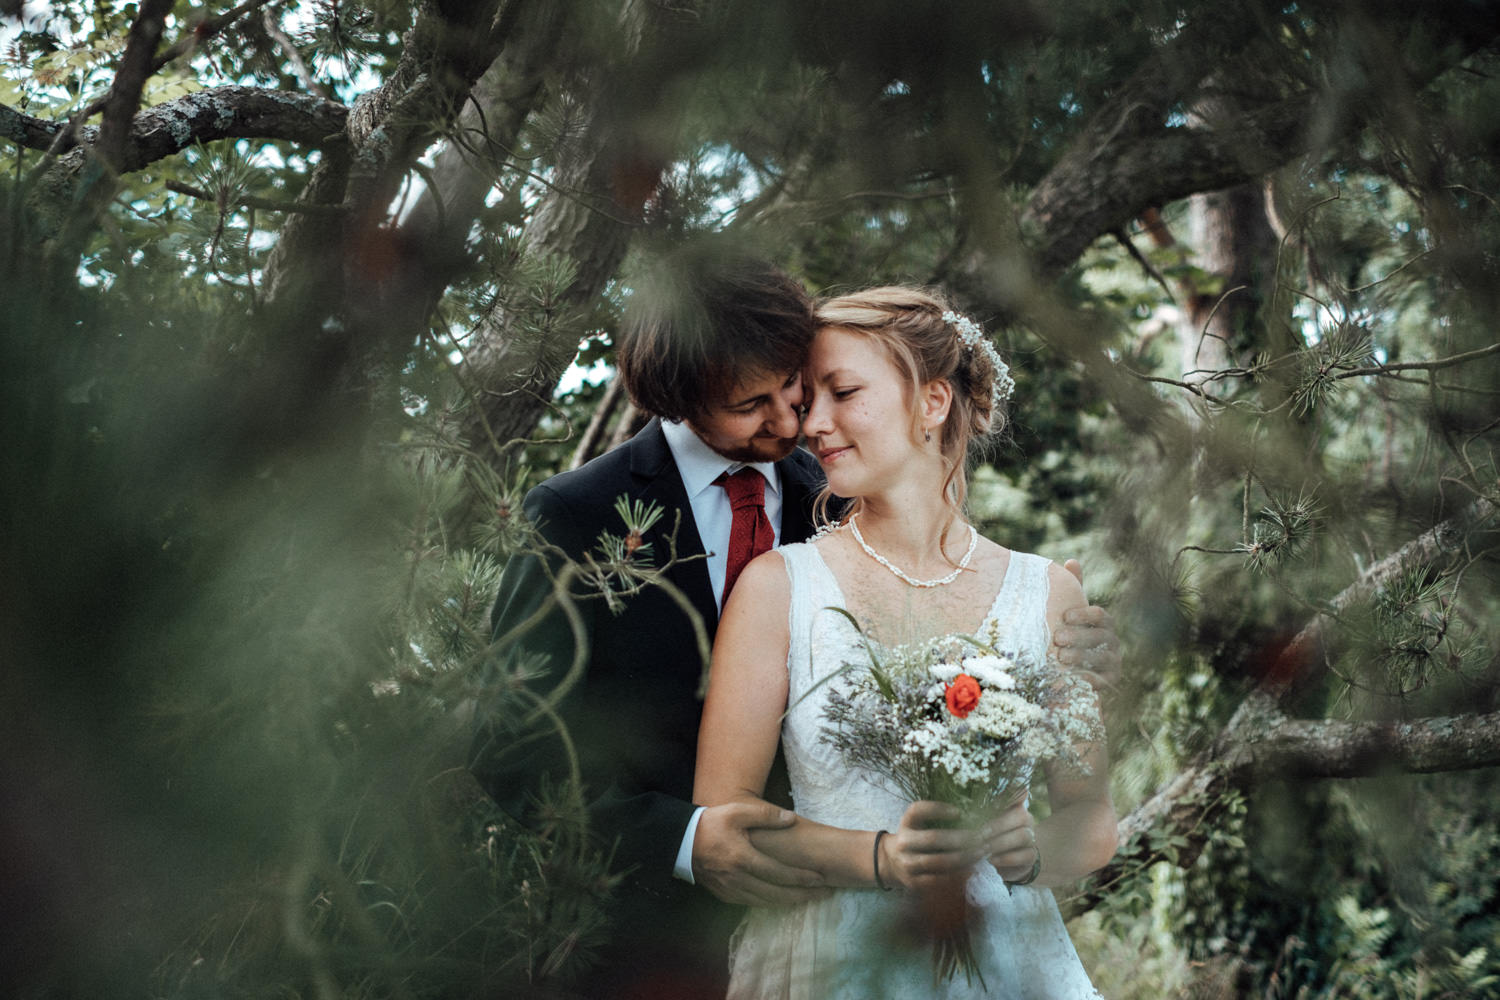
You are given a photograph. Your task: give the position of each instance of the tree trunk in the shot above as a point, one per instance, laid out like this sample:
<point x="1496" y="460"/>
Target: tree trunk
<point x="593" y="435"/>
<point x="513" y="367"/>
<point x="487" y="133"/>
<point x="1236" y="245"/>
<point x="604" y="183"/>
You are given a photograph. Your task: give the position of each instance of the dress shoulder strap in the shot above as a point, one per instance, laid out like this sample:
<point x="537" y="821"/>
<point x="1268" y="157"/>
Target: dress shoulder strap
<point x="1019" y="616"/>
<point x="813" y="587"/>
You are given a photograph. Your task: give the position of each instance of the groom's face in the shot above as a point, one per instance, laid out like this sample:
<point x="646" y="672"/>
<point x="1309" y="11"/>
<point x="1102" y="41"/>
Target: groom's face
<point x="756" y="420"/>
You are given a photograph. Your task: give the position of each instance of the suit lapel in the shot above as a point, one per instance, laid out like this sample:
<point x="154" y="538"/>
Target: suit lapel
<point x="658" y="481"/>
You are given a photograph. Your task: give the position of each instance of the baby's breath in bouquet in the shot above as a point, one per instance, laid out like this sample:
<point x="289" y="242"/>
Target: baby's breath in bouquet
<point x="960" y="720"/>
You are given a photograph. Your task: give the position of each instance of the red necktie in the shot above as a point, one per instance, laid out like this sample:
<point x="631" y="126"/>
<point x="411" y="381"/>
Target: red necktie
<point x="750" y="533"/>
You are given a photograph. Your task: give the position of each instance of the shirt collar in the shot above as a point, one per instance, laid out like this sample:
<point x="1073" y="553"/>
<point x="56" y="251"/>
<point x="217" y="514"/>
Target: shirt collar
<point x="699" y="465"/>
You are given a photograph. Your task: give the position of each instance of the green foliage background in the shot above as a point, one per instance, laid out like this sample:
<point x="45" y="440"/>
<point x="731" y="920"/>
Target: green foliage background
<point x="245" y="587"/>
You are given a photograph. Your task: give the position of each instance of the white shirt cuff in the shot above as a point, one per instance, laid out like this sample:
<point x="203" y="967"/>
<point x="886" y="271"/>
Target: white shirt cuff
<point x="683" y="869"/>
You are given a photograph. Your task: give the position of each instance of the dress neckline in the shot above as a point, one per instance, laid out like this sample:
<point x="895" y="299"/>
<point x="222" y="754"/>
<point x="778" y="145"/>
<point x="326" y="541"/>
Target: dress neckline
<point x="990" y="615"/>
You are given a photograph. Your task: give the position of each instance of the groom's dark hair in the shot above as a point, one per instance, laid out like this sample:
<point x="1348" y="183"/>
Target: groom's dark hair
<point x="705" y="318"/>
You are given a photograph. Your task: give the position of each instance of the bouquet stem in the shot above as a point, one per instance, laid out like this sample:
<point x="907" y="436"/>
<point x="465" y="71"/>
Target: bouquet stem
<point x="943" y="915"/>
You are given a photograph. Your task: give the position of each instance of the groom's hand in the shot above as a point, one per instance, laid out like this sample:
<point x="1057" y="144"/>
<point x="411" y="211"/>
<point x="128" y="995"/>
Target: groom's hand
<point x="728" y="865"/>
<point x="1086" y="640"/>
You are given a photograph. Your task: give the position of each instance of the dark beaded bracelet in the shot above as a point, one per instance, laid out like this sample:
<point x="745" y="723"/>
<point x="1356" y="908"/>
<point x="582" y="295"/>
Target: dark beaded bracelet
<point x="878" y="880"/>
<point x="1036" y="868"/>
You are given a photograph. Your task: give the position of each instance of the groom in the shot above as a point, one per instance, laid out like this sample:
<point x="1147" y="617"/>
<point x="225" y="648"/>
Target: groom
<point x="715" y="352"/>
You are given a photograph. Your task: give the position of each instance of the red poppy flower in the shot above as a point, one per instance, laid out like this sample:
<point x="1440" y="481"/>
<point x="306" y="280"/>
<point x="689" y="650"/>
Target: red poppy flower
<point x="962" y="695"/>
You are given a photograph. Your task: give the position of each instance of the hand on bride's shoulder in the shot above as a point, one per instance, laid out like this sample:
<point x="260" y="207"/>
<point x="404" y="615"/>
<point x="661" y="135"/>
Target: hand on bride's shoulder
<point x="1010" y="838"/>
<point x="1083" y="634"/>
<point x="1064" y="591"/>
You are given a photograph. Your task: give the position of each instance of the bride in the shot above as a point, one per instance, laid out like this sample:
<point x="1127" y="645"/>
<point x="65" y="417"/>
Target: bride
<point x="898" y="388"/>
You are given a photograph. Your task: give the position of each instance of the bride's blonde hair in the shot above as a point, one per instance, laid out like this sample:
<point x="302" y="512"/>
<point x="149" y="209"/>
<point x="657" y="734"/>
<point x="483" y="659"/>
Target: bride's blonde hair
<point x="908" y="324"/>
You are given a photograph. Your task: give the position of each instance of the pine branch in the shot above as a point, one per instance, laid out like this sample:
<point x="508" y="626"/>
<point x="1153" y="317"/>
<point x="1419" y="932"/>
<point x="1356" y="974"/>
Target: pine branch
<point x="1302" y="654"/>
<point x="203" y="31"/>
<point x="249" y="201"/>
<point x="1261" y="743"/>
<point x="1425" y="366"/>
<point x="289" y="50"/>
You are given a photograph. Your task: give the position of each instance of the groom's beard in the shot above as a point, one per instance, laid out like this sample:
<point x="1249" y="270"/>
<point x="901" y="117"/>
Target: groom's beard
<point x="760" y="449"/>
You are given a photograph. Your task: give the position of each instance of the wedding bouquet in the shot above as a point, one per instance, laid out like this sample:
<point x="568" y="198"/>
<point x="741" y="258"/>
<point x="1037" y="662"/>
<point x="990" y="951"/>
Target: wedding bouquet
<point x="960" y="721"/>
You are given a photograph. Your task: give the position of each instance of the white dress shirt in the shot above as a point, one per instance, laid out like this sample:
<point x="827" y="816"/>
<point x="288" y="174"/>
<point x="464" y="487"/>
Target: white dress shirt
<point x="699" y="465"/>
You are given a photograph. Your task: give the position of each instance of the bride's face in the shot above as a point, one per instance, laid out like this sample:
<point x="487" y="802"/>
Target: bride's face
<point x="859" y="420"/>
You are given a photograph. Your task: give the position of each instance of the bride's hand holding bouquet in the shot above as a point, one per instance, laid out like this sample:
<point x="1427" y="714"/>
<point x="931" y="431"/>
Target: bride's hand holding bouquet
<point x="960" y="727"/>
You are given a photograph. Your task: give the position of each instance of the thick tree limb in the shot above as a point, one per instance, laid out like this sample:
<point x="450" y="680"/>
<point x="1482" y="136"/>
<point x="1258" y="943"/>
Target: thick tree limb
<point x="1330" y="748"/>
<point x="32" y="133"/>
<point x="135" y="69"/>
<point x="1093" y="190"/>
<point x="1261" y="743"/>
<point x="464" y="172"/>
<point x="446" y="52"/>
<point x="1132" y="155"/>
<point x="511" y="369"/>
<point x="118" y="104"/>
<point x="602" y="185"/>
<point x="593" y="435"/>
<point x="220" y="113"/>
<point x="232" y="113"/>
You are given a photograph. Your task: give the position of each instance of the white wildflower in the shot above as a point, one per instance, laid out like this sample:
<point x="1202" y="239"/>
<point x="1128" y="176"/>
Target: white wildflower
<point x="945" y="672"/>
<point x="965" y="762"/>
<point x="991" y="671"/>
<point x="1004" y="715"/>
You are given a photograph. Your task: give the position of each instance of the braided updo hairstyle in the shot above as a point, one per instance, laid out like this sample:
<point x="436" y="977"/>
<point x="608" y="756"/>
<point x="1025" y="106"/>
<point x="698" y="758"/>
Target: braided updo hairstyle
<point x="908" y="324"/>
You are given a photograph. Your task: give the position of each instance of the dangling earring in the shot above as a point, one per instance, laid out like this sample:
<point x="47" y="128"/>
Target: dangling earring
<point x="928" y="436"/>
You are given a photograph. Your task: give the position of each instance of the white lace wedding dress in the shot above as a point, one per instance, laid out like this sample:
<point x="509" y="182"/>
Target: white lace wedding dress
<point x="843" y="946"/>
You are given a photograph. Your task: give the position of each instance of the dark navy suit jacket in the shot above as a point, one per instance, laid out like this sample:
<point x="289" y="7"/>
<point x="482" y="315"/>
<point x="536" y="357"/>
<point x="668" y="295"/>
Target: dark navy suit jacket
<point x="633" y="716"/>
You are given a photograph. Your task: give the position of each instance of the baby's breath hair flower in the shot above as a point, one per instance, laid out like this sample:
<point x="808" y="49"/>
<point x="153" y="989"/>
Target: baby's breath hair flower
<point x="1003" y="386"/>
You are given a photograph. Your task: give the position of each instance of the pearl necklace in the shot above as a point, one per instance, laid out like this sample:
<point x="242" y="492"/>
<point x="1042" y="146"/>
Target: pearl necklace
<point x="963" y="563"/>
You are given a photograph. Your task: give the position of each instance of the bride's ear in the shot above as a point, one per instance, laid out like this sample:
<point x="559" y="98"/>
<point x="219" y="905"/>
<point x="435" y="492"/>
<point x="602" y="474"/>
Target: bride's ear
<point x="936" y="399"/>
